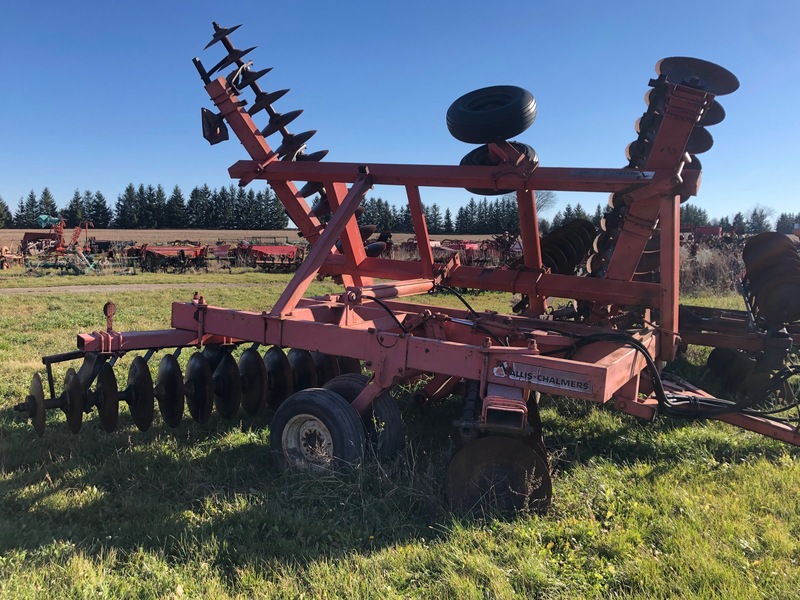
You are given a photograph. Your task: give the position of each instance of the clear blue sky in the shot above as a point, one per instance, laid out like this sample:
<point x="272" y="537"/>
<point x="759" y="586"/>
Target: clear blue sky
<point x="100" y="94"/>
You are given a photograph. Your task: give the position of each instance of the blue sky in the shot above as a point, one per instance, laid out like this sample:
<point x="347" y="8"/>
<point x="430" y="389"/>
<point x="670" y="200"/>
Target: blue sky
<point x="100" y="94"/>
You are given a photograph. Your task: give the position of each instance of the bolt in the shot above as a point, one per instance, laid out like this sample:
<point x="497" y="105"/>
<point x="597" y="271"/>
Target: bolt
<point x="487" y="342"/>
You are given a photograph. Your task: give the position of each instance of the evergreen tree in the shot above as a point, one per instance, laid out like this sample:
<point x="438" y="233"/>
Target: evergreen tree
<point x="6" y="220"/>
<point x="198" y="208"/>
<point x="758" y="221"/>
<point x="725" y="223"/>
<point x="785" y="223"/>
<point x="448" y="222"/>
<point x="27" y="212"/>
<point x="279" y="217"/>
<point x="433" y="218"/>
<point x="88" y="203"/>
<point x="405" y="222"/>
<point x="558" y="221"/>
<point x="47" y="204"/>
<point x="739" y="225"/>
<point x="158" y="205"/>
<point x="126" y="210"/>
<point x="598" y="216"/>
<point x="691" y="214"/>
<point x="74" y="214"/>
<point x="544" y="226"/>
<point x="101" y="214"/>
<point x="175" y="210"/>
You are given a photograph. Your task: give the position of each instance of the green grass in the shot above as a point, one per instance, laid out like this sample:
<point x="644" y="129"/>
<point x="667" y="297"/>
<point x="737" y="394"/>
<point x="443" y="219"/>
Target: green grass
<point x="664" y="510"/>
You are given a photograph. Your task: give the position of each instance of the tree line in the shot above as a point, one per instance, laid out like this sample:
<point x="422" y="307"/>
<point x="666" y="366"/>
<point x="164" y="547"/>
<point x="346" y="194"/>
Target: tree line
<point x="231" y="207"/>
<point x="149" y="207"/>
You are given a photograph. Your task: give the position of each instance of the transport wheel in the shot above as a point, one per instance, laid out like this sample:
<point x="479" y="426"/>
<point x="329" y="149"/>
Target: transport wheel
<point x="479" y="157"/>
<point x="383" y="425"/>
<point x="199" y="387"/>
<point x="491" y="114"/>
<point x="141" y="399"/>
<point x="107" y="398"/>
<point x="304" y="371"/>
<point x="227" y="386"/>
<point x="497" y="474"/>
<point x="279" y="377"/>
<point x="327" y="367"/>
<point x="36" y="404"/>
<point x="254" y="381"/>
<point x="169" y="390"/>
<point x="73" y="401"/>
<point x="316" y="428"/>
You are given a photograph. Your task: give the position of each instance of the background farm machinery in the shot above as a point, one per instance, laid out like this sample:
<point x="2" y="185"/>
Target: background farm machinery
<point x="624" y="325"/>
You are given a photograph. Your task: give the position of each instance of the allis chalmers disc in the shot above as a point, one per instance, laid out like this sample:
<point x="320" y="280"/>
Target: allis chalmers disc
<point x="169" y="390"/>
<point x="699" y="74"/>
<point x="36" y="404"/>
<point x="107" y="398"/>
<point x="304" y="371"/>
<point x="327" y="367"/>
<point x="141" y="399"/>
<point x="73" y="401"/>
<point x="713" y="115"/>
<point x="254" y="381"/>
<point x="498" y="474"/>
<point x="349" y="365"/>
<point x="700" y="141"/>
<point x="227" y="387"/>
<point x="199" y="387"/>
<point x="279" y="377"/>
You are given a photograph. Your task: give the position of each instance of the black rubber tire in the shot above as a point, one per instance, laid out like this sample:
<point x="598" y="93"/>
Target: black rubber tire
<point x="383" y="426"/>
<point x="327" y="411"/>
<point x="491" y="114"/>
<point x="479" y="157"/>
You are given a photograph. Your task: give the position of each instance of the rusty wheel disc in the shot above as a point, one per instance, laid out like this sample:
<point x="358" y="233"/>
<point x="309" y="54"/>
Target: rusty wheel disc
<point x="227" y="387"/>
<point x="349" y="365"/>
<point x="498" y="474"/>
<point x="327" y="367"/>
<point x="199" y="387"/>
<point x="36" y="404"/>
<point x="73" y="401"/>
<point x="141" y="399"/>
<point x="107" y="398"/>
<point x="279" y="377"/>
<point x="169" y="390"/>
<point x="304" y="371"/>
<point x="254" y="381"/>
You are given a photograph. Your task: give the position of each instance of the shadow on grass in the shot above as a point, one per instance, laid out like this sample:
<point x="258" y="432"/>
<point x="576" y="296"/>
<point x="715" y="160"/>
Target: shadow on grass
<point x="213" y="491"/>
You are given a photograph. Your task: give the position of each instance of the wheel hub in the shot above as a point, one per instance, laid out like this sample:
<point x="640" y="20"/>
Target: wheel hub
<point x="308" y="442"/>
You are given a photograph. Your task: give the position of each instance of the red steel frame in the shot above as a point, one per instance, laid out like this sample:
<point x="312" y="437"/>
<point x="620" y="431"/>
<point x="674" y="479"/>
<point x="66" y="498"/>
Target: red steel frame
<point x="449" y="343"/>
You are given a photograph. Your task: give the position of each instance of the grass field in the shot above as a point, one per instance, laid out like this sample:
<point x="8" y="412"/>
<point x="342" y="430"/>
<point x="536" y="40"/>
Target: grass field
<point x="665" y="510"/>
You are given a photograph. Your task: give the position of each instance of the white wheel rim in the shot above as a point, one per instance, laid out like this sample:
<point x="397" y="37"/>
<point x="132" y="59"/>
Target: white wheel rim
<point x="307" y="441"/>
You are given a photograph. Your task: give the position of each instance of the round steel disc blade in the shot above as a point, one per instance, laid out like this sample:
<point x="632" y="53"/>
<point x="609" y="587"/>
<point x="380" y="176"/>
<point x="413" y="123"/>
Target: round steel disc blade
<point x="227" y="387"/>
<point x="327" y="367"/>
<point x="254" y="381"/>
<point x="214" y="354"/>
<point x="349" y="365"/>
<point x="778" y="300"/>
<point x="169" y="390"/>
<point x="700" y="141"/>
<point x="73" y="401"/>
<point x="304" y="371"/>
<point x="198" y="385"/>
<point x="695" y="165"/>
<point x="107" y="398"/>
<point x="497" y="474"/>
<point x="554" y="259"/>
<point x="279" y="377"/>
<point x="141" y="399"/>
<point x="713" y="115"/>
<point x="699" y="74"/>
<point x="36" y="406"/>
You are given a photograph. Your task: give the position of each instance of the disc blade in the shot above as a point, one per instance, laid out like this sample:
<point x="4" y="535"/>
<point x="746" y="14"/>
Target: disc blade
<point x="254" y="381"/>
<point x="498" y="474"/>
<point x="141" y="399"/>
<point x="699" y="74"/>
<point x="227" y="387"/>
<point x="198" y="386"/>
<point x="36" y="400"/>
<point x="304" y="371"/>
<point x="73" y="401"/>
<point x="107" y="398"/>
<point x="279" y="377"/>
<point x="169" y="390"/>
<point x="327" y="367"/>
<point x="349" y="365"/>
